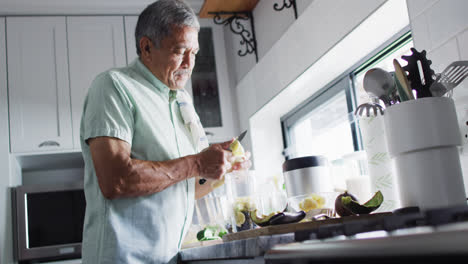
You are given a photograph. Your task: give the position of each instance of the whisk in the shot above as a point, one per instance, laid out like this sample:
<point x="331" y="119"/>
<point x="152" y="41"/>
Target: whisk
<point x="368" y="108"/>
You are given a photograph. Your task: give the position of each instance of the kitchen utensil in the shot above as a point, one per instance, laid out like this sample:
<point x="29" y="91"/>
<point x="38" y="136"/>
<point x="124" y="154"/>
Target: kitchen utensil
<point x="450" y="78"/>
<point x="367" y="108"/>
<point x="394" y="96"/>
<point x="239" y="138"/>
<point x="402" y="84"/>
<point x="417" y="64"/>
<point x="242" y="135"/>
<point x="240" y="189"/>
<point x="379" y="83"/>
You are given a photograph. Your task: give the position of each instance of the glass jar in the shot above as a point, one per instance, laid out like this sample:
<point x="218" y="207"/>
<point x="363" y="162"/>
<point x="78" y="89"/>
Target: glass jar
<point x="241" y="201"/>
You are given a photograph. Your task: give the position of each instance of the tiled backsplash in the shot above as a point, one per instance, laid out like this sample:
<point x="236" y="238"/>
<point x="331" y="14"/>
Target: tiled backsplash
<point x="441" y="28"/>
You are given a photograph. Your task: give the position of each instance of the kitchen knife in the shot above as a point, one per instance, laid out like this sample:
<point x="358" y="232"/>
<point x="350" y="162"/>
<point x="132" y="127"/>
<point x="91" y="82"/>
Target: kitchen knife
<point x="239" y="138"/>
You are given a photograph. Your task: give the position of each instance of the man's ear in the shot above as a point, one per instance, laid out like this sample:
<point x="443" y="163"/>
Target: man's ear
<point x="145" y="46"/>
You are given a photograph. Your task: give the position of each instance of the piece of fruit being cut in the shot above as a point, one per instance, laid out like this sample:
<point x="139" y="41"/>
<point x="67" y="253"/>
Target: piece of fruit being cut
<point x="237" y="149"/>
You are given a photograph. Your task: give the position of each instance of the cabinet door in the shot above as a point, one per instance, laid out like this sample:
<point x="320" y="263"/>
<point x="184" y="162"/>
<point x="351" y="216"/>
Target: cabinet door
<point x="95" y="44"/>
<point x="5" y="223"/>
<point x="202" y="83"/>
<point x="38" y="84"/>
<point x="130" y="24"/>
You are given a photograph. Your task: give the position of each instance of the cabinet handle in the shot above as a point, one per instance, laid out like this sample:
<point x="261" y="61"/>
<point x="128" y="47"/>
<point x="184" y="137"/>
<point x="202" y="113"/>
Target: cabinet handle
<point x="49" y="143"/>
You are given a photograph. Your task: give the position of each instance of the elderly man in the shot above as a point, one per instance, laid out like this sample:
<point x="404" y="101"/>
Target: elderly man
<point x="141" y="142"/>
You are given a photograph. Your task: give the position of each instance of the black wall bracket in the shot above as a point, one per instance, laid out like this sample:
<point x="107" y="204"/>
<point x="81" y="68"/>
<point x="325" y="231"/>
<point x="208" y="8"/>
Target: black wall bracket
<point x="286" y="4"/>
<point x="234" y="19"/>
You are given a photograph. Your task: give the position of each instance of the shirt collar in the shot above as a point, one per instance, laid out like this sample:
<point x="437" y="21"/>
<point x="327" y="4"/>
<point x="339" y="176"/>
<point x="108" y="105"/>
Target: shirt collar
<point x="149" y="76"/>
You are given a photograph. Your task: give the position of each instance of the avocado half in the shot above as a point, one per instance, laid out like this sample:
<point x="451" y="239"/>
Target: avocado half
<point x="263" y="220"/>
<point x="366" y="208"/>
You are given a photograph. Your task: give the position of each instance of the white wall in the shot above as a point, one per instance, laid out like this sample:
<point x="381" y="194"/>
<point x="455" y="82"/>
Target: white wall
<point x="306" y="42"/>
<point x="441" y="28"/>
<point x="270" y="26"/>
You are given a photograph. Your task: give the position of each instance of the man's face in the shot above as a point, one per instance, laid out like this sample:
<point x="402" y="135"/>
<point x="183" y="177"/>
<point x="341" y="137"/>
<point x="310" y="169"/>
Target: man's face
<point x="173" y="62"/>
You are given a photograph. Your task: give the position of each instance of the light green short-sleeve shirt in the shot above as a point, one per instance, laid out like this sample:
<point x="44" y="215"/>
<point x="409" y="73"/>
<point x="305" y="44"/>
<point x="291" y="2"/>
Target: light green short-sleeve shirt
<point x="133" y="105"/>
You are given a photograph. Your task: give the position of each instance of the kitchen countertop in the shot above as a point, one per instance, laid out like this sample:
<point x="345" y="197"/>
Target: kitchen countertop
<point x="246" y="248"/>
<point x="255" y="243"/>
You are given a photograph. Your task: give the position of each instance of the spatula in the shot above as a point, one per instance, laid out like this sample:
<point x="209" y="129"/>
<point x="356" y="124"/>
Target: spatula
<point x="450" y="78"/>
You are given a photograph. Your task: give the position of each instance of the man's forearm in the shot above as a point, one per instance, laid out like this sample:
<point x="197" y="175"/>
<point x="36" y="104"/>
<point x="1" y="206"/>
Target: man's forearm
<point x="140" y="177"/>
<point x="121" y="176"/>
<point x="159" y="175"/>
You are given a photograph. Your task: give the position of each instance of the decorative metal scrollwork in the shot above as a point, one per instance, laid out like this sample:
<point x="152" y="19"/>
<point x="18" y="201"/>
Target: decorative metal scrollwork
<point x="248" y="40"/>
<point x="287" y="4"/>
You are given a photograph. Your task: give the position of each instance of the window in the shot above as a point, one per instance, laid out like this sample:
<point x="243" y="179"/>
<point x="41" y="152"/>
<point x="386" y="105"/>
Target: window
<point x="324" y="124"/>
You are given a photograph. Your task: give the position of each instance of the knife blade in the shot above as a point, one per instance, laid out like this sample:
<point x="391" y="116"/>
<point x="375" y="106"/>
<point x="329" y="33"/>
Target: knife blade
<point x="242" y="135"/>
<point x="239" y="138"/>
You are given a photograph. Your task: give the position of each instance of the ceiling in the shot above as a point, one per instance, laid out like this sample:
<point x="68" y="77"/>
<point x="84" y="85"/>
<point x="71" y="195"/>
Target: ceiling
<point x="80" y="7"/>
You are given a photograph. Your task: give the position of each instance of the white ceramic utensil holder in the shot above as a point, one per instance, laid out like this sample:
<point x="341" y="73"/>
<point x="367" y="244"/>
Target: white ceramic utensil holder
<point x="422" y="139"/>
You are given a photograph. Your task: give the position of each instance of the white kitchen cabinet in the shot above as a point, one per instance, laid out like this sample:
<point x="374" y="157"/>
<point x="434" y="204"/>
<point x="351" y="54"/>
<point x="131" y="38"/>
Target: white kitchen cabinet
<point x="95" y="44"/>
<point x="130" y="24"/>
<point x="39" y="95"/>
<point x="5" y="227"/>
<point x="229" y="116"/>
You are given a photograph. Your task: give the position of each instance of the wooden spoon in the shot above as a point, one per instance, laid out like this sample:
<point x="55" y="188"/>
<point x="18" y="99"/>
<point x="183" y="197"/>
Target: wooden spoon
<point x="402" y="81"/>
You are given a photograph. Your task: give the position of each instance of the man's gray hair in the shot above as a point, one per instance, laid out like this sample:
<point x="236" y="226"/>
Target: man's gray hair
<point x="156" y="21"/>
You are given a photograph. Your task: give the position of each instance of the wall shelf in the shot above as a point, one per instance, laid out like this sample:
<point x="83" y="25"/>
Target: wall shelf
<point x="210" y="6"/>
<point x="232" y="13"/>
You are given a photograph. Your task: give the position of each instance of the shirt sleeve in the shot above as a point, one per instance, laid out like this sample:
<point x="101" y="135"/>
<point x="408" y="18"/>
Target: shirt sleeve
<point x="107" y="111"/>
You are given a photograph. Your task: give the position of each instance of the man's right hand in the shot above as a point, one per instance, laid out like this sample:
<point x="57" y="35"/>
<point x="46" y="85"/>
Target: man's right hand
<point x="213" y="162"/>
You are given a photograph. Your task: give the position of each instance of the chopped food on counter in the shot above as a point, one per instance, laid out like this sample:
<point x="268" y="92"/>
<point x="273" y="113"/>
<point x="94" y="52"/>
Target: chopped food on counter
<point x="242" y="208"/>
<point x="314" y="201"/>
<point x="277" y="218"/>
<point x="212" y="232"/>
<point x="366" y="208"/>
<point x="339" y="207"/>
<point x="263" y="220"/>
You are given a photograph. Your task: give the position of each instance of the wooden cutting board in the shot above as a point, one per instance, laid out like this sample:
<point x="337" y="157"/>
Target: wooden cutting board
<point x="290" y="228"/>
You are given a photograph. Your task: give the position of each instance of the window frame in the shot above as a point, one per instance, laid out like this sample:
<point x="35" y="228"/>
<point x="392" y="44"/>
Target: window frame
<point x="345" y="82"/>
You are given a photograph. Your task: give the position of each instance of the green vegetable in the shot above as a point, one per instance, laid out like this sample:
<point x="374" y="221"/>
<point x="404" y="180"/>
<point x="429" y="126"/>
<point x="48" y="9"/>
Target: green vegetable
<point x="211" y="233"/>
<point x="368" y="207"/>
